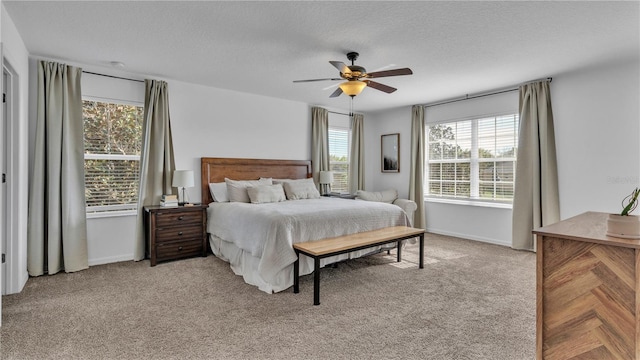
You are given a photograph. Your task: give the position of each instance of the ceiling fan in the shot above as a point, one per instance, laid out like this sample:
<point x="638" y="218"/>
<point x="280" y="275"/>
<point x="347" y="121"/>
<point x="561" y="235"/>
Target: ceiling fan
<point x="357" y="77"/>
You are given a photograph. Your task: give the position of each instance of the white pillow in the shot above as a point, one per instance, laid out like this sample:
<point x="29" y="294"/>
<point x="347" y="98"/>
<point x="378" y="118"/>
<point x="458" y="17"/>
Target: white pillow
<point x="219" y="192"/>
<point x="261" y="194"/>
<point x="237" y="189"/>
<point x="301" y="189"/>
<point x="387" y="196"/>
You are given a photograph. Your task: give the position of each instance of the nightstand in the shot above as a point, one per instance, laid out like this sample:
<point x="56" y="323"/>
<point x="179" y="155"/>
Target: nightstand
<point x="175" y="232"/>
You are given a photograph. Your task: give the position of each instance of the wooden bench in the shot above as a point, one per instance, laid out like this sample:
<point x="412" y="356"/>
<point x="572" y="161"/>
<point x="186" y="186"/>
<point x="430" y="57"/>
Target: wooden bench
<point x="320" y="249"/>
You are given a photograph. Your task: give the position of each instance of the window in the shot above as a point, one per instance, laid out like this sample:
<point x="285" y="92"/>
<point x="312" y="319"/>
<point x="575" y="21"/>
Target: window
<point x="473" y="159"/>
<point x="112" y="142"/>
<point x="339" y="158"/>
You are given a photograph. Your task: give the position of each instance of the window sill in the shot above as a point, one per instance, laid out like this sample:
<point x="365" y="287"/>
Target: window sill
<point x="468" y="202"/>
<point x="107" y="214"/>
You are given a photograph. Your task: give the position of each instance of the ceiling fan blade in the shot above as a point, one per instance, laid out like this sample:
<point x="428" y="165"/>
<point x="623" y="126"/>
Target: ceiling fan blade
<point x="381" y="87"/>
<point x="344" y="69"/>
<point x="311" y="80"/>
<point x="336" y="93"/>
<point x="394" y="72"/>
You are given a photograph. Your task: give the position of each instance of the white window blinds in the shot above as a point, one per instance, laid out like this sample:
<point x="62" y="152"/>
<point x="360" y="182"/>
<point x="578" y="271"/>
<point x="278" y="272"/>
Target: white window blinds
<point x="473" y="159"/>
<point x="339" y="158"/>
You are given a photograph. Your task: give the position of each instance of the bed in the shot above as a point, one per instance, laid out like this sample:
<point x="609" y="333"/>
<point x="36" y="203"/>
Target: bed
<point x="257" y="239"/>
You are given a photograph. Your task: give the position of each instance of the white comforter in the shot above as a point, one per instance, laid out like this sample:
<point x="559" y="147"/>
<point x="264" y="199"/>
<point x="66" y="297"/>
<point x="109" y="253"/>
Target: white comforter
<point x="267" y="231"/>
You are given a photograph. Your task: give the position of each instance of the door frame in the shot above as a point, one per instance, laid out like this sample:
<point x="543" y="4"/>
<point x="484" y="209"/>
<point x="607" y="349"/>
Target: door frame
<point x="11" y="216"/>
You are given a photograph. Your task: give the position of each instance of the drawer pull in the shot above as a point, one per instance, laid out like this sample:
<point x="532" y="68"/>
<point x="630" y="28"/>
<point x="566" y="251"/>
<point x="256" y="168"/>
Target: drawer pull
<point x="180" y="248"/>
<point x="179" y="217"/>
<point x="180" y="233"/>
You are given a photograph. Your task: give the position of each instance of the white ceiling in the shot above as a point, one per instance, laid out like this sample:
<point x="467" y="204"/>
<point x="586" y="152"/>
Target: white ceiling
<point x="453" y="48"/>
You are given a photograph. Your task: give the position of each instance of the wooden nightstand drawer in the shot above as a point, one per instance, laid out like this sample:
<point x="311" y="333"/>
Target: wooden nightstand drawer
<point x="175" y="233"/>
<point x="167" y="218"/>
<point x="178" y="249"/>
<point x="178" y="233"/>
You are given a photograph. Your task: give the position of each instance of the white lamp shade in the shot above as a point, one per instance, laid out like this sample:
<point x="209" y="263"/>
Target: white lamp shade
<point x="182" y="178"/>
<point x="326" y="177"/>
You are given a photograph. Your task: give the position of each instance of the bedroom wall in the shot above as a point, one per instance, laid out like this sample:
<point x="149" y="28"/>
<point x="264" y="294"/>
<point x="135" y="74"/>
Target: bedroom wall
<point x="596" y="113"/>
<point x="211" y="122"/>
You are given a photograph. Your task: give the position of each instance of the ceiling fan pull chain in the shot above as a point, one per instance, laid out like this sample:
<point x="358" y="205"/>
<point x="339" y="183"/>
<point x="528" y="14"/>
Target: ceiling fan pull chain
<point x="351" y="107"/>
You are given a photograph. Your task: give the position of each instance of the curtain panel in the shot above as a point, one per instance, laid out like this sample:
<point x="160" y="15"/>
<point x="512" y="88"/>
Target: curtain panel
<point x="356" y="156"/>
<point x="536" y="198"/>
<point x="416" y="177"/>
<point x="156" y="159"/>
<point x="319" y="142"/>
<point x="57" y="226"/>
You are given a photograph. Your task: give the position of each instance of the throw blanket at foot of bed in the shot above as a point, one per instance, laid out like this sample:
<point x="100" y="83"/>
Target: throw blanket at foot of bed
<point x="343" y="244"/>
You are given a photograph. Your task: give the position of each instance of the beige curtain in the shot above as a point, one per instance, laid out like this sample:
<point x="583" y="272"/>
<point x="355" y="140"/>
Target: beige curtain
<point x="536" y="201"/>
<point x="156" y="160"/>
<point x="319" y="141"/>
<point x="356" y="155"/>
<point x="416" y="177"/>
<point x="57" y="225"/>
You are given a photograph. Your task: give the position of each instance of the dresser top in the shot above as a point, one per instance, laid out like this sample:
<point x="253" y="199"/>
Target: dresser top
<point x="589" y="227"/>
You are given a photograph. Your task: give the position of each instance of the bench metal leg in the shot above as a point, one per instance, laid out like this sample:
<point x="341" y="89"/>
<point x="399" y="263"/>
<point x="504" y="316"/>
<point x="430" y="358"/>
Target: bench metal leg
<point x="421" y="251"/>
<point x="399" y="250"/>
<point x="296" y="274"/>
<point x="316" y="281"/>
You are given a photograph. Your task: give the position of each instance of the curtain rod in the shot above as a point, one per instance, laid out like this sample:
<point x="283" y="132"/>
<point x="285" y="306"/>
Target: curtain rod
<point x="112" y="76"/>
<point x="475" y="96"/>
<point x="339" y="113"/>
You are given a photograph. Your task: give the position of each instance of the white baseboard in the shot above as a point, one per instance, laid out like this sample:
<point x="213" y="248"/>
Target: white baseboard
<point x="469" y="237"/>
<point x="110" y="259"/>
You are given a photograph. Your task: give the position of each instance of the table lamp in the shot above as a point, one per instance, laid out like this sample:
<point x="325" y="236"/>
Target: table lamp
<point x="326" y="178"/>
<point x="182" y="179"/>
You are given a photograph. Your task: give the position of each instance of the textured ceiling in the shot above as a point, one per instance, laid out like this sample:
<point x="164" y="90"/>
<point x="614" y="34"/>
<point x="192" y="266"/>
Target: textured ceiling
<point x="453" y="48"/>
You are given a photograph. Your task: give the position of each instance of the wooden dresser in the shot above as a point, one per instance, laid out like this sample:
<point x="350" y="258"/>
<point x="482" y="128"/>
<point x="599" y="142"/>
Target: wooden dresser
<point x="588" y="291"/>
<point x="175" y="232"/>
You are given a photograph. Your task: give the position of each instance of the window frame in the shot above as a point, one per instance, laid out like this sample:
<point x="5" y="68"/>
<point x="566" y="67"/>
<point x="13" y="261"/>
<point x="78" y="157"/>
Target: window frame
<point x="119" y="209"/>
<point x="474" y="162"/>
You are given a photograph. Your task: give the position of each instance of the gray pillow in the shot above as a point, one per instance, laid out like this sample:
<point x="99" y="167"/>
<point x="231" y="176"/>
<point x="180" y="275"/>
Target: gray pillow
<point x="387" y="196"/>
<point x="237" y="189"/>
<point x="262" y="194"/>
<point x="301" y="189"/>
<point x="219" y="192"/>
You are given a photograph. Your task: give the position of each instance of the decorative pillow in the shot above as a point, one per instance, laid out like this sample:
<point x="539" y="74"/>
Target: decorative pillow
<point x="387" y="196"/>
<point x="219" y="192"/>
<point x="301" y="189"/>
<point x="261" y="194"/>
<point x="237" y="189"/>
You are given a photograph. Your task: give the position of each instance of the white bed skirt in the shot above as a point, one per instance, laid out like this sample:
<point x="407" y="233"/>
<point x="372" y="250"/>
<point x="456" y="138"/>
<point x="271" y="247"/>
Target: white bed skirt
<point x="246" y="265"/>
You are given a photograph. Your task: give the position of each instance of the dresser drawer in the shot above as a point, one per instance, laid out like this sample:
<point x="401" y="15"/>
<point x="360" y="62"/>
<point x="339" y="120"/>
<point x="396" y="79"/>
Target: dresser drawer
<point x="186" y="218"/>
<point x="178" y="233"/>
<point x="178" y="249"/>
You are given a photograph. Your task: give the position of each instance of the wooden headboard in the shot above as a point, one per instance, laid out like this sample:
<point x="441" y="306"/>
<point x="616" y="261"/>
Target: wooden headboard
<point x="214" y="170"/>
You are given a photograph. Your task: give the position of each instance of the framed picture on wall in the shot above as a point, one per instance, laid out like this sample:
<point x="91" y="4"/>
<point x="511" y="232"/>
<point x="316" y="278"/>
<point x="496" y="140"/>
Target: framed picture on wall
<point x="390" y="145"/>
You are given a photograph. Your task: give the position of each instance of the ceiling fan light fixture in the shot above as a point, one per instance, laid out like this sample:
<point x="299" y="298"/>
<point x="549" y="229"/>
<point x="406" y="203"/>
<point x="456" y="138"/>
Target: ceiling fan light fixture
<point x="353" y="87"/>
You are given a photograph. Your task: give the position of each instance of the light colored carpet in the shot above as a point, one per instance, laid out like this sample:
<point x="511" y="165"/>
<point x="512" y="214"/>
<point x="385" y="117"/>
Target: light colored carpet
<point x="471" y="301"/>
